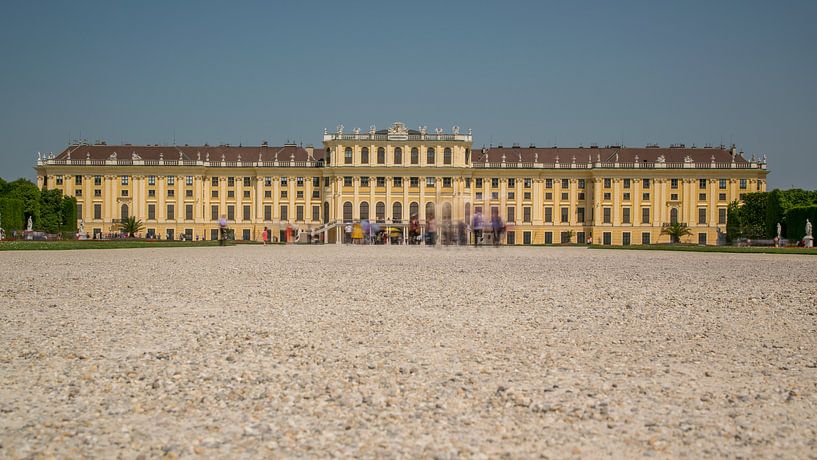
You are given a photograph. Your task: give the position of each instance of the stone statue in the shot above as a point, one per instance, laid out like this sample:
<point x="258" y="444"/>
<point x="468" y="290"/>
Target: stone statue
<point x="30" y="225"/>
<point x="808" y="227"/>
<point x="661" y="159"/>
<point x="81" y="226"/>
<point x="779" y="229"/>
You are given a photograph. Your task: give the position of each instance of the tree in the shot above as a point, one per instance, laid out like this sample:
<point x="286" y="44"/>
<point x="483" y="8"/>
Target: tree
<point x="676" y="230"/>
<point x="131" y="226"/>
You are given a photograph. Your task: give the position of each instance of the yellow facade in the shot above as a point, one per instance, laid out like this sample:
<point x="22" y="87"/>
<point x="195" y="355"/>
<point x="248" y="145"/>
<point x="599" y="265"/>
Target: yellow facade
<point x="617" y="195"/>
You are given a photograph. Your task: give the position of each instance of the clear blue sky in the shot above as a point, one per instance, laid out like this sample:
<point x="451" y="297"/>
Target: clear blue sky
<point x="568" y="73"/>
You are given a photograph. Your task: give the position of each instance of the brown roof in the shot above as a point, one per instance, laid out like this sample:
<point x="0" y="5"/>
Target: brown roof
<point x="189" y="153"/>
<point x="607" y="154"/>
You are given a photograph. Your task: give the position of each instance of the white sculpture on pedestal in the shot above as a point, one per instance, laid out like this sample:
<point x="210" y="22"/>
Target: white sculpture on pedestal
<point x="808" y="240"/>
<point x="30" y="224"/>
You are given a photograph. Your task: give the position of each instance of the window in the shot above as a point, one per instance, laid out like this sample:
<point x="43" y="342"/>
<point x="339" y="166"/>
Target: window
<point x="231" y="193"/>
<point x="267" y="213"/>
<point x="247" y="182"/>
<point x="511" y="237"/>
<point x="245" y="234"/>
<point x="284" y="194"/>
<point x="478" y="182"/>
<point x="446" y="182"/>
<point x="645" y="183"/>
<point x="316" y="213"/>
<point x="526" y="195"/>
<point x="171" y="212"/>
<point x="673" y="183"/>
<point x="580" y="215"/>
<point x="59" y="180"/>
<point x="743" y="184"/>
<point x="124" y="212"/>
<point x="124" y="180"/>
<point x="78" y="180"/>
<point x="645" y="238"/>
<point x="645" y="215"/>
<point x="299" y="181"/>
<point x="381" y="156"/>
<point x="564" y="238"/>
<point x="398" y="156"/>
<point x="298" y="194"/>
<point x="78" y="192"/>
<point x="364" y="155"/>
<point x="364" y="181"/>
<point x="511" y="182"/>
<point x="645" y="196"/>
<point x="702" y="183"/>
<point x="526" y="237"/>
<point x="580" y="238"/>
<point x="188" y="180"/>
<point x="284" y="212"/>
<point x="316" y="193"/>
<point x="97" y="211"/>
<point x="214" y="212"/>
<point x="565" y="196"/>
<point x="702" y="197"/>
<point x="347" y="211"/>
<point x="625" y="215"/>
<point x="347" y="181"/>
<point x="214" y="193"/>
<point x="494" y="195"/>
<point x="548" y="196"/>
<point x="414" y="181"/>
<point x="607" y="214"/>
<point x="347" y="156"/>
<point x="494" y="182"/>
<point x="151" y="211"/>
<point x="701" y="238"/>
<point x="625" y="238"/>
<point x="214" y="181"/>
<point x="431" y="181"/>
<point x="626" y="196"/>
<point x="415" y="156"/>
<point x="673" y="196"/>
<point x="188" y="212"/>
<point x="326" y="181"/>
<point x="526" y="213"/>
<point x="430" y="156"/>
<point x="673" y="215"/>
<point x="721" y="216"/>
<point x="479" y="195"/>
<point x="607" y="196"/>
<point x="151" y="180"/>
<point x="722" y="196"/>
<point x="230" y="212"/>
<point x="316" y="181"/>
<point x="626" y="183"/>
<point x="548" y="183"/>
<point x="246" y="213"/>
<point x="467" y="182"/>
<point x="171" y="193"/>
<point x="549" y="214"/>
<point x="446" y="156"/>
<point x="527" y="182"/>
<point x="565" y="183"/>
<point x="511" y="195"/>
<point x="607" y="238"/>
<point x="701" y="215"/>
<point x="582" y="184"/>
<point x="97" y="180"/>
<point x="380" y="211"/>
<point x="398" y="181"/>
<point x="188" y="193"/>
<point x="722" y="184"/>
<point x="608" y="182"/>
<point x="381" y="181"/>
<point x="299" y="213"/>
<point x="548" y="237"/>
<point x="511" y="217"/>
<point x="565" y="214"/>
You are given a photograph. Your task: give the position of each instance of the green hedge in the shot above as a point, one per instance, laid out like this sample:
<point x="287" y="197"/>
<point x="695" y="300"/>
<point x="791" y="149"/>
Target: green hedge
<point x="796" y="218"/>
<point x="12" y="214"/>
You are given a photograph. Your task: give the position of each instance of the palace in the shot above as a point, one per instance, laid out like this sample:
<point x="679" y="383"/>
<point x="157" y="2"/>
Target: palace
<point x="618" y="195"/>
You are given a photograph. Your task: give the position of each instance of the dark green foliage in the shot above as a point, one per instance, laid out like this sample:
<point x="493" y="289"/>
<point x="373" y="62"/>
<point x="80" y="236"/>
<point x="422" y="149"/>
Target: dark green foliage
<point x="753" y="220"/>
<point x="796" y="219"/>
<point x="50" y="211"/>
<point x="131" y="226"/>
<point x="11" y="210"/>
<point x="780" y="202"/>
<point x="676" y="231"/>
<point x="734" y="221"/>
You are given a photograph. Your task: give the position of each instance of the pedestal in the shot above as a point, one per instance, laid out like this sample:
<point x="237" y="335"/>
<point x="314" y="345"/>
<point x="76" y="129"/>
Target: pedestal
<point x="809" y="241"/>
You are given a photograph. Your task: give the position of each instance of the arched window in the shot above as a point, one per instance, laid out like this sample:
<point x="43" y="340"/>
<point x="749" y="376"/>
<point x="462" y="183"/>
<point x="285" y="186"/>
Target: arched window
<point x="347" y="156"/>
<point x="447" y="156"/>
<point x="673" y="215"/>
<point x="364" y="211"/>
<point x="325" y="212"/>
<point x="380" y="211"/>
<point x="381" y="156"/>
<point x="415" y="156"/>
<point x="414" y="210"/>
<point x="347" y="211"/>
<point x="398" y="156"/>
<point x="124" y="211"/>
<point x="468" y="213"/>
<point x="429" y="210"/>
<point x="364" y="156"/>
<point x="446" y="211"/>
<point x="430" y="156"/>
<point x="397" y="212"/>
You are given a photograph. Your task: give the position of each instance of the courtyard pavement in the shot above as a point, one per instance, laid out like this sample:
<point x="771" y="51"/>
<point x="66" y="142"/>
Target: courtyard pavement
<point x="251" y="351"/>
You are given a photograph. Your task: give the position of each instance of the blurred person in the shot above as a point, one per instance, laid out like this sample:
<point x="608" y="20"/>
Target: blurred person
<point x="431" y="230"/>
<point x="497" y="226"/>
<point x="476" y="227"/>
<point x="414" y="229"/>
<point x="357" y="234"/>
<point x="265" y="236"/>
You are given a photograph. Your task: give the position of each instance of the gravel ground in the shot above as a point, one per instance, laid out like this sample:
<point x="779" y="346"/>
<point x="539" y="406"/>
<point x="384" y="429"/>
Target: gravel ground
<point x="253" y="351"/>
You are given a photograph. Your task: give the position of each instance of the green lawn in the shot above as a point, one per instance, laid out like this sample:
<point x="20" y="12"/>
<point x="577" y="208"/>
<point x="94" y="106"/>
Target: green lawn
<point x="694" y="248"/>
<point x="100" y="244"/>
